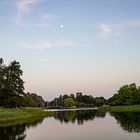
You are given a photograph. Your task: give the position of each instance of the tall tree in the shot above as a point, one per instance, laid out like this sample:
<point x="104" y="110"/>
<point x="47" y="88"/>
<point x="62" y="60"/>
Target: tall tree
<point x="12" y="90"/>
<point x="13" y="81"/>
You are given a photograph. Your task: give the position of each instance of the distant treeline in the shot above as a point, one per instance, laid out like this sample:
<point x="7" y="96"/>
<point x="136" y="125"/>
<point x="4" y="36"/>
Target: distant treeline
<point x="12" y="88"/>
<point x="78" y="100"/>
<point x="12" y="93"/>
<point x="126" y="95"/>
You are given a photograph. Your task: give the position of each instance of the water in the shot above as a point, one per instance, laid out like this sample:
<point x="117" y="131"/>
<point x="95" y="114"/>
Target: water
<point x="77" y="125"/>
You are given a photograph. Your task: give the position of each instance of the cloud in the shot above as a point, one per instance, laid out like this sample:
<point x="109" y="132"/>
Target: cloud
<point x="44" y="44"/>
<point x="116" y="30"/>
<point x="105" y="28"/>
<point x="23" y="8"/>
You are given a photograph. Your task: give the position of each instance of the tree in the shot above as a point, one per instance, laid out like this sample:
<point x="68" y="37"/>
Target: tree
<point x="69" y="102"/>
<point x="72" y="96"/>
<point x="65" y="96"/>
<point x="33" y="100"/>
<point x="80" y="100"/>
<point x="13" y="80"/>
<point x="12" y="87"/>
<point x="126" y="95"/>
<point x="79" y="97"/>
<point x="100" y="101"/>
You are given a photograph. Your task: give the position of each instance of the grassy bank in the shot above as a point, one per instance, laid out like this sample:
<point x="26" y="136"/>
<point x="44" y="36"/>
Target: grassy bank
<point x="134" y="108"/>
<point x="21" y="114"/>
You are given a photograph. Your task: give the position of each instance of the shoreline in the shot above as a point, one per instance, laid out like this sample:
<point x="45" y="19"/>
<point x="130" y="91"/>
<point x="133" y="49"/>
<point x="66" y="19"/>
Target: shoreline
<point x="132" y="108"/>
<point x="15" y="114"/>
<point x="19" y="115"/>
<point x="70" y="109"/>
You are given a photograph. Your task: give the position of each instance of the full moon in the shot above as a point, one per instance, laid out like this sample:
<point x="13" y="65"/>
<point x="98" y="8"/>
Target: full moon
<point x="61" y="26"/>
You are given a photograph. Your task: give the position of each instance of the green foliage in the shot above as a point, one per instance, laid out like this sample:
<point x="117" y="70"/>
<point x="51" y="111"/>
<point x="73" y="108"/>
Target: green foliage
<point x="127" y="95"/>
<point x="85" y="100"/>
<point x="12" y="88"/>
<point x="13" y="81"/>
<point x="33" y="100"/>
<point x="11" y="84"/>
<point x="132" y="108"/>
<point x="69" y="102"/>
<point x="8" y="114"/>
<point x="100" y="101"/>
<point x="79" y="100"/>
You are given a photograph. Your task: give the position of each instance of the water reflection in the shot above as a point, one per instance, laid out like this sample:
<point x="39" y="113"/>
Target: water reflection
<point x="17" y="132"/>
<point x="129" y="121"/>
<point x="79" y="116"/>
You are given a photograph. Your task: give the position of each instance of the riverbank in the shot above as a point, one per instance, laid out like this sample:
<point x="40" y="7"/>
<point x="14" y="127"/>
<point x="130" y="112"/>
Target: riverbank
<point x="133" y="108"/>
<point x="71" y="109"/>
<point x="22" y="113"/>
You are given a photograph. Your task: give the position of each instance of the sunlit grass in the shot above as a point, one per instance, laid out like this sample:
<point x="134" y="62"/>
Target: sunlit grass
<point x="21" y="113"/>
<point x="133" y="108"/>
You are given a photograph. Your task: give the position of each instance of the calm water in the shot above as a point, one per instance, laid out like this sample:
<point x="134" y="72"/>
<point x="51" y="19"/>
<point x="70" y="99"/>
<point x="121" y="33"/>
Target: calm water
<point x="77" y="125"/>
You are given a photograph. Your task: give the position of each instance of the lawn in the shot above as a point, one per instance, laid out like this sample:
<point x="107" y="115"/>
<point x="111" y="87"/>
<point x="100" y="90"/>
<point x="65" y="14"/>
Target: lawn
<point x="133" y="108"/>
<point x="22" y="113"/>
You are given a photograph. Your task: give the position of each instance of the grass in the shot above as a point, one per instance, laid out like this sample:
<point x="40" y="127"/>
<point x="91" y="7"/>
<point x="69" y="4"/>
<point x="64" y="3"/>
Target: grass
<point x="133" y="108"/>
<point x="22" y="114"/>
<point x="20" y="121"/>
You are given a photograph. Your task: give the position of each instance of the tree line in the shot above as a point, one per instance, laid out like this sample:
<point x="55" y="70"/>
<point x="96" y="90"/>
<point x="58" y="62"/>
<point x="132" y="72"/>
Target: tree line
<point x="126" y="95"/>
<point x="12" y="87"/>
<point x="12" y="93"/>
<point x="78" y="100"/>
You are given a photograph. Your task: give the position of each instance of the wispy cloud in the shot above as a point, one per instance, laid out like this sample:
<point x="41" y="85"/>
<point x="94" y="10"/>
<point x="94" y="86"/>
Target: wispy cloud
<point x="116" y="30"/>
<point x="24" y="8"/>
<point x="105" y="28"/>
<point x="44" y="44"/>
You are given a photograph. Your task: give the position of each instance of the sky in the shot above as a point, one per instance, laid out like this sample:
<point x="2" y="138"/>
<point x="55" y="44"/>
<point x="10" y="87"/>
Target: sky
<point x="69" y="46"/>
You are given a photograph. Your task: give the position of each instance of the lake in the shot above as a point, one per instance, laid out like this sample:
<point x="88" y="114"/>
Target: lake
<point x="77" y="125"/>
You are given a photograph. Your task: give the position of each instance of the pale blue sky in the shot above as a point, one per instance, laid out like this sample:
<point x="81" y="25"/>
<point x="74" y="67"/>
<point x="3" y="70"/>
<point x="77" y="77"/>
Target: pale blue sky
<point x="66" y="46"/>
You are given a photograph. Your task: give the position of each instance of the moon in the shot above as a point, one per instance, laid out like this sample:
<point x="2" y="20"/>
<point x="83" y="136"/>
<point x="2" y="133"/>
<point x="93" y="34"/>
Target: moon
<point x="62" y="26"/>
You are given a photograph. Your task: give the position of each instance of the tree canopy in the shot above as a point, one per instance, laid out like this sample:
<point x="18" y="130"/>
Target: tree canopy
<point x="11" y="84"/>
<point x="77" y="100"/>
<point x="12" y="87"/>
<point x="126" y="95"/>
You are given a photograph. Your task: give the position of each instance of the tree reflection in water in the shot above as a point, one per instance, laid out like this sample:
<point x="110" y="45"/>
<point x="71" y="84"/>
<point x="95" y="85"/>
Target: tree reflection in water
<point x="129" y="121"/>
<point x="17" y="132"/>
<point x="78" y="116"/>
